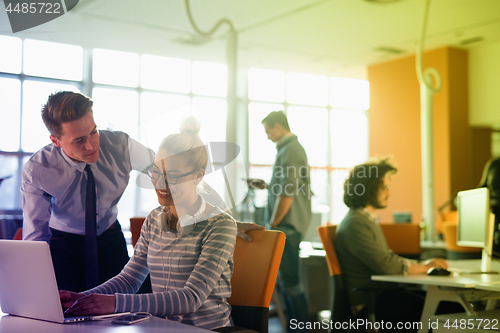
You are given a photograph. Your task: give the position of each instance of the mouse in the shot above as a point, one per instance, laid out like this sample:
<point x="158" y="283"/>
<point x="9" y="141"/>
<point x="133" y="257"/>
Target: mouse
<point x="438" y="271"/>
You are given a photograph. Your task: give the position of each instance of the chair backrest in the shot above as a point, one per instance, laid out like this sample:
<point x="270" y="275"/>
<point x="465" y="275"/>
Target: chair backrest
<point x="327" y="236"/>
<point x="340" y="305"/>
<point x="255" y="270"/>
<point x="403" y="238"/>
<point x="19" y="234"/>
<point x="135" y="228"/>
<point x="450" y="216"/>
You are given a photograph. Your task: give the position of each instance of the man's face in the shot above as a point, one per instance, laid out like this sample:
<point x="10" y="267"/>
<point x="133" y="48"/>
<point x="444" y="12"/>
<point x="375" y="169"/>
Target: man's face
<point x="273" y="133"/>
<point x="383" y="193"/>
<point x="80" y="139"/>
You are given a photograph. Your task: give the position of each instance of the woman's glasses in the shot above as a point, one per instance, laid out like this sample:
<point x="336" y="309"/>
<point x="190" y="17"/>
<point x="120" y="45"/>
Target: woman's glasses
<point x="155" y="174"/>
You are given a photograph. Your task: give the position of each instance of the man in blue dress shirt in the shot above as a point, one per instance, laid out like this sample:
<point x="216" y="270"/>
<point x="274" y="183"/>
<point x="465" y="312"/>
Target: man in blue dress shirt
<point x="54" y="189"/>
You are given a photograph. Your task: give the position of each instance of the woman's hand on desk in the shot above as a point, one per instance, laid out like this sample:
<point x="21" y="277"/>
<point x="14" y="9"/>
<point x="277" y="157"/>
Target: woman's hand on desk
<point x="68" y="298"/>
<point x="94" y="304"/>
<point x="423" y="267"/>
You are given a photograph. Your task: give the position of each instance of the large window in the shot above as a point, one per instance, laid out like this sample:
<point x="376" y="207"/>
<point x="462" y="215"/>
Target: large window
<point x="30" y="70"/>
<point x="328" y="115"/>
<point x="146" y="96"/>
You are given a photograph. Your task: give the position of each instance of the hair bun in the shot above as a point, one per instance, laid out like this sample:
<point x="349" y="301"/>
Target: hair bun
<point x="190" y="125"/>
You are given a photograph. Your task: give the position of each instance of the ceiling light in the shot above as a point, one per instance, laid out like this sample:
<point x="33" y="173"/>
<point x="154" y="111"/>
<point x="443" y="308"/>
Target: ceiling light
<point x="471" y="40"/>
<point x="382" y="1"/>
<point x="388" y="49"/>
<point x="193" y="40"/>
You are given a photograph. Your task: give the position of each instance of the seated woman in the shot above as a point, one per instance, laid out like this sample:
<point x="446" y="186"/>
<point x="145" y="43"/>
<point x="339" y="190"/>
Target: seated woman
<point x="186" y="245"/>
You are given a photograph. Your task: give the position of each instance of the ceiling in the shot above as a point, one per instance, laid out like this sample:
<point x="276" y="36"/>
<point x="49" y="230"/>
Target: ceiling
<point x="330" y="37"/>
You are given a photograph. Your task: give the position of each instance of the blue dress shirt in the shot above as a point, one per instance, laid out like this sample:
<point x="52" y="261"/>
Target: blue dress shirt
<point x="54" y="186"/>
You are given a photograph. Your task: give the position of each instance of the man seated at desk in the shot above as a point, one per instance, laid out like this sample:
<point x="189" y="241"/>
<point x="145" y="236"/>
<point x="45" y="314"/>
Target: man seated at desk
<point x="362" y="249"/>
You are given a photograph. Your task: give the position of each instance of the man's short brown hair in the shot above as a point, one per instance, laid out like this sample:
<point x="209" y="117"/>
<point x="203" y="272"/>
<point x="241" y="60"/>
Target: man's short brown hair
<point x="276" y="117"/>
<point x="63" y="107"/>
<point x="364" y="182"/>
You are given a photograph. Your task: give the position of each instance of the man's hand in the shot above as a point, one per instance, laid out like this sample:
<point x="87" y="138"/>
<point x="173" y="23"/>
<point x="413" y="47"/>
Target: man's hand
<point x="243" y="227"/>
<point x="436" y="262"/>
<point x="257" y="183"/>
<point x="423" y="267"/>
<point x="68" y="298"/>
<point x="94" y="304"/>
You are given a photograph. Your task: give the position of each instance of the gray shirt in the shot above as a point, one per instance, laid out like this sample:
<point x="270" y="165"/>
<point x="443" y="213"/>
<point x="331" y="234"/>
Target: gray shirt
<point x="362" y="251"/>
<point x="291" y="178"/>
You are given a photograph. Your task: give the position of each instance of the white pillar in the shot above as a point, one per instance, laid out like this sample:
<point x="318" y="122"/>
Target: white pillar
<point x="426" y="128"/>
<point x="231" y="98"/>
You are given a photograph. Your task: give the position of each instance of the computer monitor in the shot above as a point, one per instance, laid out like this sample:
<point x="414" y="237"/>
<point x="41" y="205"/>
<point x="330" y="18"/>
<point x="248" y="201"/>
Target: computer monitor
<point x="476" y="223"/>
<point x="312" y="231"/>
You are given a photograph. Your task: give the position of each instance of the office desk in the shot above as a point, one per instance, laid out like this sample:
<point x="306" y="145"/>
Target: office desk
<point x="490" y="287"/>
<point x="9" y="324"/>
<point x="315" y="279"/>
<point x="456" y="287"/>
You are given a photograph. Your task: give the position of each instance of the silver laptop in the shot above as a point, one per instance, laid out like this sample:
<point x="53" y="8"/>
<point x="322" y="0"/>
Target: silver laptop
<point x="28" y="286"/>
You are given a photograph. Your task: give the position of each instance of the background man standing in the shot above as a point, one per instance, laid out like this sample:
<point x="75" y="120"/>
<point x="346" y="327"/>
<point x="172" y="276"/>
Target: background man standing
<point x="288" y="208"/>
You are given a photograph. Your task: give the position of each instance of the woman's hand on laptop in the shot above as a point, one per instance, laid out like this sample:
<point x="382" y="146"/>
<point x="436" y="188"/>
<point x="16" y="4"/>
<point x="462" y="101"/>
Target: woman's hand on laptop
<point x="68" y="298"/>
<point x="94" y="304"/>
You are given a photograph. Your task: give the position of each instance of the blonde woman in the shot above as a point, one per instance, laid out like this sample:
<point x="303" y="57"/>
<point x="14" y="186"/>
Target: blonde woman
<point x="186" y="245"/>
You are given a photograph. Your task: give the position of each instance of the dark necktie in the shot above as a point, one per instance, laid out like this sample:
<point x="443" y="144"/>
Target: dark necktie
<point x="91" y="260"/>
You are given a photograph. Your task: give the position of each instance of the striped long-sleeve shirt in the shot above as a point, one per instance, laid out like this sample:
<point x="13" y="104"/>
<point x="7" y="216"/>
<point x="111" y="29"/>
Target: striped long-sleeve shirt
<point x="190" y="274"/>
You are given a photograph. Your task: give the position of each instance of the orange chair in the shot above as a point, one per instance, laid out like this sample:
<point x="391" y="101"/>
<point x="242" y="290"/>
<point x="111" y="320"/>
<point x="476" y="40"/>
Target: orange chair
<point x="135" y="228"/>
<point x="403" y="239"/>
<point x="340" y="306"/>
<point x="19" y="234"/>
<point x="454" y="251"/>
<point x="450" y="216"/>
<point x="255" y="270"/>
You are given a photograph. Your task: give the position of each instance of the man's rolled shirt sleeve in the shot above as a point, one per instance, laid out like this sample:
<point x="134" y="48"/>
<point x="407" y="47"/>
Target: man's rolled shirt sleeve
<point x="36" y="209"/>
<point x="141" y="158"/>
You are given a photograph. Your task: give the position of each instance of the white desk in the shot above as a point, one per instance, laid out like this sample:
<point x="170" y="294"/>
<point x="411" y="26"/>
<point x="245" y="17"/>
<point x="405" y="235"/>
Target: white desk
<point x="490" y="287"/>
<point x="10" y="324"/>
<point x="456" y="287"/>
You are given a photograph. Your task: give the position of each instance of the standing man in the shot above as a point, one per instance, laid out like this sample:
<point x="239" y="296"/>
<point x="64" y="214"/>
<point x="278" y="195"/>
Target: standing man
<point x="288" y="209"/>
<point x="71" y="188"/>
<point x="362" y="250"/>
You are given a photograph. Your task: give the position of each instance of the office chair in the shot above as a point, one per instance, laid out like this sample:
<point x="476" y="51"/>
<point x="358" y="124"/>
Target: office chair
<point x="135" y="228"/>
<point x="255" y="270"/>
<point x="340" y="305"/>
<point x="19" y="234"/>
<point x="403" y="239"/>
<point x="454" y="251"/>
